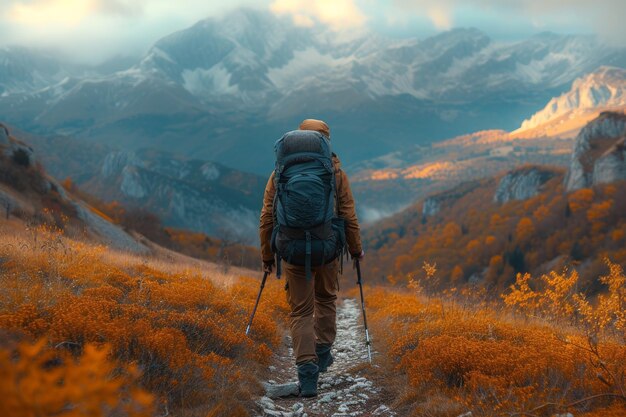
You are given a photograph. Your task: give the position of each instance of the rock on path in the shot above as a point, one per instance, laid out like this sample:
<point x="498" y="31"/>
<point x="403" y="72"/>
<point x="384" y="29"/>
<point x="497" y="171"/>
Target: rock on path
<point x="343" y="390"/>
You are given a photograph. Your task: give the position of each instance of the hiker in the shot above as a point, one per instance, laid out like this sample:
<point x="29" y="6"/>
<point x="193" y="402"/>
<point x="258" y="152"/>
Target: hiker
<point x="309" y="259"/>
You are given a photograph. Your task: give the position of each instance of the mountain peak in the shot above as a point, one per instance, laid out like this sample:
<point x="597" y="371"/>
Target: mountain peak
<point x="603" y="89"/>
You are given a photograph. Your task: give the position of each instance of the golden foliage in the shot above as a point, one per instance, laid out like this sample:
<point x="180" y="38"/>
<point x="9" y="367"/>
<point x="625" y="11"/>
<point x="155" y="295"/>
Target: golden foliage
<point x="567" y="352"/>
<point x="555" y="295"/>
<point x="472" y="232"/>
<point x="182" y="332"/>
<point x="35" y="381"/>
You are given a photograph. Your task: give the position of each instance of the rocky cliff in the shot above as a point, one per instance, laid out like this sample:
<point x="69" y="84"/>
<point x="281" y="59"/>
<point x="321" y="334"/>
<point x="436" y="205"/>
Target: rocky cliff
<point x="599" y="153"/>
<point x="186" y="193"/>
<point x="522" y="184"/>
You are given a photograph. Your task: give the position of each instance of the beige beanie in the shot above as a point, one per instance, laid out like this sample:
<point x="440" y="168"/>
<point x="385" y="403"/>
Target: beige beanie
<point x="317" y="125"/>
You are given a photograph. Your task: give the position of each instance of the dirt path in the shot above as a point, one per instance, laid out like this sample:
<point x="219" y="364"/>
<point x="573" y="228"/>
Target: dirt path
<point x="344" y="390"/>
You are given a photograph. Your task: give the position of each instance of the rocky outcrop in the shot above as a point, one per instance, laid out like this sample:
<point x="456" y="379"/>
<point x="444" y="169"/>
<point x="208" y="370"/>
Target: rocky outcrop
<point x="4" y="136"/>
<point x="112" y="234"/>
<point x="599" y="154"/>
<point x="611" y="166"/>
<point x="210" y="171"/>
<point x="115" y="162"/>
<point x="437" y="202"/>
<point x="132" y="183"/>
<point x="185" y="193"/>
<point x="431" y="207"/>
<point x="15" y="149"/>
<point x="522" y="184"/>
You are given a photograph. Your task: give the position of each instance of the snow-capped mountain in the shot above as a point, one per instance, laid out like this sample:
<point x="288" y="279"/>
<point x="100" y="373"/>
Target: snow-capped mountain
<point x="24" y="71"/>
<point x="601" y="90"/>
<point x="225" y="89"/>
<point x="253" y="57"/>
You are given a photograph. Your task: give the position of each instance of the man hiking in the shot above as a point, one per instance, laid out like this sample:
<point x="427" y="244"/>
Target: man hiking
<point x="308" y="217"/>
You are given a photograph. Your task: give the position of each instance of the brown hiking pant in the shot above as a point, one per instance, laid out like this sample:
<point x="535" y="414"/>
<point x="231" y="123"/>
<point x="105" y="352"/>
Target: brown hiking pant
<point x="313" y="310"/>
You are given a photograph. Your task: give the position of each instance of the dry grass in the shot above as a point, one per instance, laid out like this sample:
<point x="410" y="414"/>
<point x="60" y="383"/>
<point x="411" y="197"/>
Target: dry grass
<point x="456" y="353"/>
<point x="171" y="326"/>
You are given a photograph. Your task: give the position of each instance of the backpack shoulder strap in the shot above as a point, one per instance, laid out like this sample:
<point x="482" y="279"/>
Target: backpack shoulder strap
<point x="338" y="178"/>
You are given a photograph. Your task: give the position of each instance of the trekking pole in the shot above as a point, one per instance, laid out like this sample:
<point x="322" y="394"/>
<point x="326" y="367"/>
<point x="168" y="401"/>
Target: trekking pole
<point x="258" y="298"/>
<point x="367" y="333"/>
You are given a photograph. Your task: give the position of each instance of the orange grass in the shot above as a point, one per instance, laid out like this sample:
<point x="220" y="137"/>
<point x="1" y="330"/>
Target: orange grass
<point x="173" y="332"/>
<point x="549" y="350"/>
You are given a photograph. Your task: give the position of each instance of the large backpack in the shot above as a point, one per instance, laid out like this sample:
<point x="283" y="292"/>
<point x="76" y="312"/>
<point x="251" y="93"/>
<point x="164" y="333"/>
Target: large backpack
<point x="306" y="230"/>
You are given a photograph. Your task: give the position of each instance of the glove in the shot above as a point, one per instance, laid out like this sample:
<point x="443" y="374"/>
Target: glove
<point x="268" y="266"/>
<point x="358" y="257"/>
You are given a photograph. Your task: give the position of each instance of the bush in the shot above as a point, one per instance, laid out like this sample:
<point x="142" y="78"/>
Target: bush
<point x="564" y="353"/>
<point x="21" y="157"/>
<point x="184" y="333"/>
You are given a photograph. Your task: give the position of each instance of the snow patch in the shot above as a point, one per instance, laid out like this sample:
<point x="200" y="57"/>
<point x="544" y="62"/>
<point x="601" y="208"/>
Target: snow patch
<point x="216" y="80"/>
<point x="210" y="172"/>
<point x="305" y="63"/>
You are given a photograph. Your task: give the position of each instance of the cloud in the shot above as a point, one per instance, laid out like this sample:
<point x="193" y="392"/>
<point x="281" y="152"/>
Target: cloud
<point x="602" y="16"/>
<point x="58" y="12"/>
<point x="68" y="12"/>
<point x="94" y="30"/>
<point x="441" y="17"/>
<point x="338" y="14"/>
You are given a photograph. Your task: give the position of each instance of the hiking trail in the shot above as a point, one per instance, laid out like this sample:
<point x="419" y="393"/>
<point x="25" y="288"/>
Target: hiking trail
<point x="342" y="391"/>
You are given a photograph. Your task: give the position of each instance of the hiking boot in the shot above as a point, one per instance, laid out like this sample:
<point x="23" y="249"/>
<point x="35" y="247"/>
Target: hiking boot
<point x="308" y="373"/>
<point x="324" y="357"/>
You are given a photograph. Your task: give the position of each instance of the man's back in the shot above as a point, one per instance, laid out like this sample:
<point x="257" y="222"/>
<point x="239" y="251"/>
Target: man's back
<point x="312" y="301"/>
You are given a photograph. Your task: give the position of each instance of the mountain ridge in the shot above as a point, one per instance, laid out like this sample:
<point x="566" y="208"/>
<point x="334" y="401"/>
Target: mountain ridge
<point x="601" y="90"/>
<point x="219" y="82"/>
<point x="187" y="193"/>
<point x="29" y="193"/>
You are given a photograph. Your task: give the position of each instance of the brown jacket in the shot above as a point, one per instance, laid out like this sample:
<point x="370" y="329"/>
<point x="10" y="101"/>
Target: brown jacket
<point x="345" y="208"/>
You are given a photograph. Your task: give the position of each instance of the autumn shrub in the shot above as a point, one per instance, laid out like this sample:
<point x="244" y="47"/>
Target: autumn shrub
<point x="39" y="381"/>
<point x="182" y="332"/>
<point x="473" y="238"/>
<point x="548" y="350"/>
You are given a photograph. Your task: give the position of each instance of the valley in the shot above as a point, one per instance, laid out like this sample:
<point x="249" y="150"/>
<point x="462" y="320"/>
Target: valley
<point x="488" y="173"/>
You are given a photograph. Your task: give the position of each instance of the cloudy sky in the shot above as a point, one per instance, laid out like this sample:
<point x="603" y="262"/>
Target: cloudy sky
<point x="93" y="30"/>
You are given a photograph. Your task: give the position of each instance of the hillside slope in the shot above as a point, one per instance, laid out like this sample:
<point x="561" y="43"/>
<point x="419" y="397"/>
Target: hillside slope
<point x="27" y="192"/>
<point x="403" y="177"/>
<point x="486" y="231"/>
<point x="185" y="193"/>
